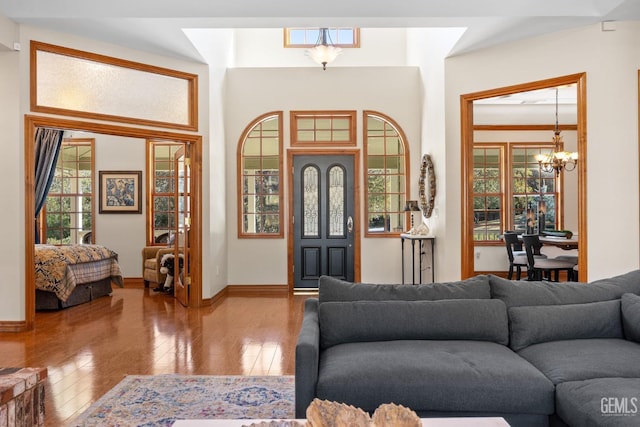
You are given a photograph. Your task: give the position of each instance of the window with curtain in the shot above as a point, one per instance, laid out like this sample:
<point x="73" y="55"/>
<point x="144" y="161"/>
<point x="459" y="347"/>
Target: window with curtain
<point x="386" y="163"/>
<point x="260" y="199"/>
<point x="161" y="191"/>
<point x="508" y="185"/>
<point x="67" y="217"/>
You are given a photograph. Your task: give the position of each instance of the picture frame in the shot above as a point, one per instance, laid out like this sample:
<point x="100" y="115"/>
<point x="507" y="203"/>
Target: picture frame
<point x="120" y="192"/>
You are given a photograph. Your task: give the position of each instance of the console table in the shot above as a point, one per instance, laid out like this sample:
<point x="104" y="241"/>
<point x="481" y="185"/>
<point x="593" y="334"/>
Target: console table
<point x="421" y="243"/>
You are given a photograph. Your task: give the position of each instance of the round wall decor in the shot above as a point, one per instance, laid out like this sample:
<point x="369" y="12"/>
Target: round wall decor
<point x="427" y="186"/>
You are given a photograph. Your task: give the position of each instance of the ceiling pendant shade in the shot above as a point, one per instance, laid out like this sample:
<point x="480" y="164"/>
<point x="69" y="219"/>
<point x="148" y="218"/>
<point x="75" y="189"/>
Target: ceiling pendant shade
<point x="557" y="160"/>
<point x="324" y="52"/>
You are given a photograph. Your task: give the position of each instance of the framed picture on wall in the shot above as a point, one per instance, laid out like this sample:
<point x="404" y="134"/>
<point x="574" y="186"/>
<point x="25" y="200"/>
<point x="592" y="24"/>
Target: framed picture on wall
<point x="120" y="192"/>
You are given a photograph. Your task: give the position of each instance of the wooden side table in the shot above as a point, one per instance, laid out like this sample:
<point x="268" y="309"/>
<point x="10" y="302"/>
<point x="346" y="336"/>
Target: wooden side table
<point x="421" y="242"/>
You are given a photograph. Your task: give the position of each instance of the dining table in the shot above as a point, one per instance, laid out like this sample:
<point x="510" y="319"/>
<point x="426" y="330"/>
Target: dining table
<point x="560" y="242"/>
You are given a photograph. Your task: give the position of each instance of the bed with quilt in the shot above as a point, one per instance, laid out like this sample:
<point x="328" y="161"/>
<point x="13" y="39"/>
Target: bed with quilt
<point x="73" y="274"/>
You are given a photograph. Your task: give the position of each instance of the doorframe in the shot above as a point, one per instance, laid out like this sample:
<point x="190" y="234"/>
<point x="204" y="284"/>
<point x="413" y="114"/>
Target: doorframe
<point x="466" y="121"/>
<point x="31" y="122"/>
<point x="355" y="153"/>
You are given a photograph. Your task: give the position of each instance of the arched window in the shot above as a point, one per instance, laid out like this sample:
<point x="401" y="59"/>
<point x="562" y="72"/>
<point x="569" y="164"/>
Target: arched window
<point x="387" y="166"/>
<point x="260" y="178"/>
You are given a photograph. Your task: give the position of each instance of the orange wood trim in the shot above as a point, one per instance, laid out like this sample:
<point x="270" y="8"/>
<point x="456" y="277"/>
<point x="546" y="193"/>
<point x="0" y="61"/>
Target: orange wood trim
<point x="357" y="265"/>
<point x="407" y="166"/>
<point x="256" y="290"/>
<point x="29" y="218"/>
<point x="329" y="114"/>
<point x="191" y="79"/>
<point x="582" y="177"/>
<point x="466" y="181"/>
<point x="523" y="127"/>
<point x="31" y="122"/>
<point x="467" y="127"/>
<point x="239" y="175"/>
<point x="14" y="326"/>
<point x="133" y="282"/>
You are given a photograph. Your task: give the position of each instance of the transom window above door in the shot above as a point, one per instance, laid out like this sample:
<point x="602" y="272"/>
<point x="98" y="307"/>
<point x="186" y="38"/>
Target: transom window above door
<point x="323" y="127"/>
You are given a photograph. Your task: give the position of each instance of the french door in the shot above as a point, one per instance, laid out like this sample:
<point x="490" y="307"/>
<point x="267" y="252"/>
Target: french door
<point x="182" y="185"/>
<point x="323" y="218"/>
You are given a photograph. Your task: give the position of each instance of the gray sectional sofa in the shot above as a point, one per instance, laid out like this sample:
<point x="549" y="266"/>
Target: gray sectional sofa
<point x="535" y="353"/>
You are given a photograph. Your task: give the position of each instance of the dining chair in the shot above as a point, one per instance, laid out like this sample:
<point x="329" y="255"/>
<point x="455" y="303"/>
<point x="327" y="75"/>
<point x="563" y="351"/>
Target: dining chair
<point x="516" y="254"/>
<point x="517" y="257"/>
<point x="541" y="268"/>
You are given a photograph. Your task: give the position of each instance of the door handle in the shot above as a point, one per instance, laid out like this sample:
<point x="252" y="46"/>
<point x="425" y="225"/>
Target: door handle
<point x="350" y="224"/>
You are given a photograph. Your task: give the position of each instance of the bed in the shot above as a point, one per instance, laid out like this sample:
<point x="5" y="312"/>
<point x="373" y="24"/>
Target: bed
<point x="74" y="274"/>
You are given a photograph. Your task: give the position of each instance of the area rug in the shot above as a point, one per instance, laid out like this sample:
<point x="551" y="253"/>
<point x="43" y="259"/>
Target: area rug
<point x="159" y="400"/>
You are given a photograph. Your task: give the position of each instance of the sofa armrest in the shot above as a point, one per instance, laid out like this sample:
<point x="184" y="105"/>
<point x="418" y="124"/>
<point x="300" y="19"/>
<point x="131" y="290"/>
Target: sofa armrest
<point x="307" y="357"/>
<point x="149" y="252"/>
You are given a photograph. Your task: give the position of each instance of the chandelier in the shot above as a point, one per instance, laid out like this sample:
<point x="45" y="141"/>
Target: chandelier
<point x="557" y="160"/>
<point x="324" y="52"/>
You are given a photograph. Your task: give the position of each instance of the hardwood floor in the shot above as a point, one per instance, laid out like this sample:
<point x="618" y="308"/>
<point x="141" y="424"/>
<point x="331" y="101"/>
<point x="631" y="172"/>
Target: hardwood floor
<point x="89" y="348"/>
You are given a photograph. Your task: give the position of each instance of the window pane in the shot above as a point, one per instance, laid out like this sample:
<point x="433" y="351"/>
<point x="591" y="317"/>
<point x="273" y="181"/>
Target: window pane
<point x="336" y="201"/>
<point x="386" y="182"/>
<point x="310" y="202"/>
<point x="260" y="180"/>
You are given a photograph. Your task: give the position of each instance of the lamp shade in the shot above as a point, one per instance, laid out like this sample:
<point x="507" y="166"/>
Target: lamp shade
<point x="324" y="54"/>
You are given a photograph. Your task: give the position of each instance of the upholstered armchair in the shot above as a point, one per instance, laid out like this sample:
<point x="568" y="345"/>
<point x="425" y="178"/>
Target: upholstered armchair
<point x="151" y="256"/>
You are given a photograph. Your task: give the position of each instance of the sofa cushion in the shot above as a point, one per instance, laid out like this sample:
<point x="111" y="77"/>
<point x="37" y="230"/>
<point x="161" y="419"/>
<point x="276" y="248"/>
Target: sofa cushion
<point x="578" y="360"/>
<point x="518" y="293"/>
<point x="631" y="316"/>
<point x="606" y="402"/>
<point x="331" y="289"/>
<point x="542" y="323"/>
<point x="433" y="376"/>
<point x="360" y="321"/>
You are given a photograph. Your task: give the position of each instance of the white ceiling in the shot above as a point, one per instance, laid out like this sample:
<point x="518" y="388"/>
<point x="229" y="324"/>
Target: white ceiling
<point x="157" y="25"/>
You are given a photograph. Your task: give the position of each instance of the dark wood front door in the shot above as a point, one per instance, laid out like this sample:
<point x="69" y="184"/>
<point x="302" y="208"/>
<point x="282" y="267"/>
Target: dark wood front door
<point x="323" y="218"/>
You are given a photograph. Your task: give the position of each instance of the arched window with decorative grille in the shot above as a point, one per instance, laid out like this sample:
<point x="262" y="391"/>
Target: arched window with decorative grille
<point x="387" y="170"/>
<point x="260" y="184"/>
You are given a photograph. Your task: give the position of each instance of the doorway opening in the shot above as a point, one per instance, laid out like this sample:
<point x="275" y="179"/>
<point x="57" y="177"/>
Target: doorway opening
<point x="193" y="142"/>
<point x="468" y="138"/>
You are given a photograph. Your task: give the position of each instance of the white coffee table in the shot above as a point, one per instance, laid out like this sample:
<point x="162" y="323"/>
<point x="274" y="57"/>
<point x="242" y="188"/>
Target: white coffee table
<point x="426" y="422"/>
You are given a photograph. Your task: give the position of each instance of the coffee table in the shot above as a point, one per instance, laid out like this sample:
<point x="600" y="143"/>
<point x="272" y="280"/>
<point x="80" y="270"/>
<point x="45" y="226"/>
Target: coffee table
<point x="426" y="422"/>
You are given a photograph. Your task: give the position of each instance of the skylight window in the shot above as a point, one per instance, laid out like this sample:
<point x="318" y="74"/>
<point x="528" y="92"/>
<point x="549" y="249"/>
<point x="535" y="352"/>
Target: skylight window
<point x="308" y="37"/>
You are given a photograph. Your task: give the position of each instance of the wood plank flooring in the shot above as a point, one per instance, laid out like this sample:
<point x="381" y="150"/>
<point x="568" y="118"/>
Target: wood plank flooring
<point x="89" y="348"/>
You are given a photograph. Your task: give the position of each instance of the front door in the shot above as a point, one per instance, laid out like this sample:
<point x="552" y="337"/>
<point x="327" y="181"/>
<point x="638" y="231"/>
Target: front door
<point x="323" y="218"/>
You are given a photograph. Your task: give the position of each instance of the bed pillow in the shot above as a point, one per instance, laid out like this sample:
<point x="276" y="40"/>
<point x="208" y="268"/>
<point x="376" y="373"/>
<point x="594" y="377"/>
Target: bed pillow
<point x="331" y="289"/>
<point x="631" y="316"/>
<point x="366" y="321"/>
<point x="543" y="323"/>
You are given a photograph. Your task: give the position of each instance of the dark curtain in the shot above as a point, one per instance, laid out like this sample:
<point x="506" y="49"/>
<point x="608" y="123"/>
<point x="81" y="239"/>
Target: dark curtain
<point x="48" y="143"/>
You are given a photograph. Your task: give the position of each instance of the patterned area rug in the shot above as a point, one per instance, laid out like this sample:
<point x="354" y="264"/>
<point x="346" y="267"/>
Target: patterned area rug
<point x="159" y="400"/>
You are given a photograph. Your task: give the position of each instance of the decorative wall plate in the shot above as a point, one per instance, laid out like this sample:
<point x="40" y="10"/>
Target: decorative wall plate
<point x="427" y="186"/>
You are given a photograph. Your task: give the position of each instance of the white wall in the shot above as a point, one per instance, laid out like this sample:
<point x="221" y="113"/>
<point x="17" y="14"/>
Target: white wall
<point x="394" y="91"/>
<point x="219" y="56"/>
<point x="427" y="49"/>
<point x="12" y="188"/>
<point x="611" y="61"/>
<point x="263" y="48"/>
<point x="123" y="233"/>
